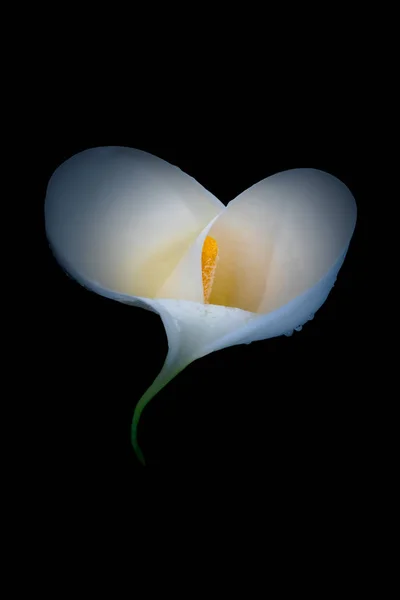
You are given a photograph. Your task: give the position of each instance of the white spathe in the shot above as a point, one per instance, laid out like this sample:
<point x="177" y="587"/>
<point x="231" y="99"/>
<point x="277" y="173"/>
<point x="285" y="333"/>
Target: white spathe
<point x="131" y="227"/>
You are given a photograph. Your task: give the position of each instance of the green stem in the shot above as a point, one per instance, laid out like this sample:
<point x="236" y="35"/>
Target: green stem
<point x="167" y="373"/>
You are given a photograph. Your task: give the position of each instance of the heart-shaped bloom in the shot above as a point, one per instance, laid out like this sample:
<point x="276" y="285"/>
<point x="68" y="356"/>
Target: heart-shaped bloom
<point x="136" y="229"/>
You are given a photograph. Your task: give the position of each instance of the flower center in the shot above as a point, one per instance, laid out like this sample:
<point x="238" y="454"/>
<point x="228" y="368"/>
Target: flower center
<point x="209" y="259"/>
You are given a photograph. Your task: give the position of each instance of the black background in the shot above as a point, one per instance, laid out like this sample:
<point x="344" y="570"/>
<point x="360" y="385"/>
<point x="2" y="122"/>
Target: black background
<point x="290" y="408"/>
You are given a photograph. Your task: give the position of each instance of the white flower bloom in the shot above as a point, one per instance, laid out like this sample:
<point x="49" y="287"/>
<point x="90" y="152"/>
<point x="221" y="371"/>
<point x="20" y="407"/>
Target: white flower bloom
<point x="136" y="229"/>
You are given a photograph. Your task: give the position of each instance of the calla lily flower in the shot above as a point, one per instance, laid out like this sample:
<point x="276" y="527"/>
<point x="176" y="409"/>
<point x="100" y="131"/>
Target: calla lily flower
<point x="132" y="227"/>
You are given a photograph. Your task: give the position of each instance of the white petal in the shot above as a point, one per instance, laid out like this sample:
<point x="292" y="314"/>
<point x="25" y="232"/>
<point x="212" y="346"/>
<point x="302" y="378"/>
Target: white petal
<point x="279" y="237"/>
<point x="122" y="218"/>
<point x="302" y="219"/>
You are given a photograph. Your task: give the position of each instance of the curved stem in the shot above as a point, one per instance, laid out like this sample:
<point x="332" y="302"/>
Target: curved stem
<point x="134" y="440"/>
<point x="168" y="372"/>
